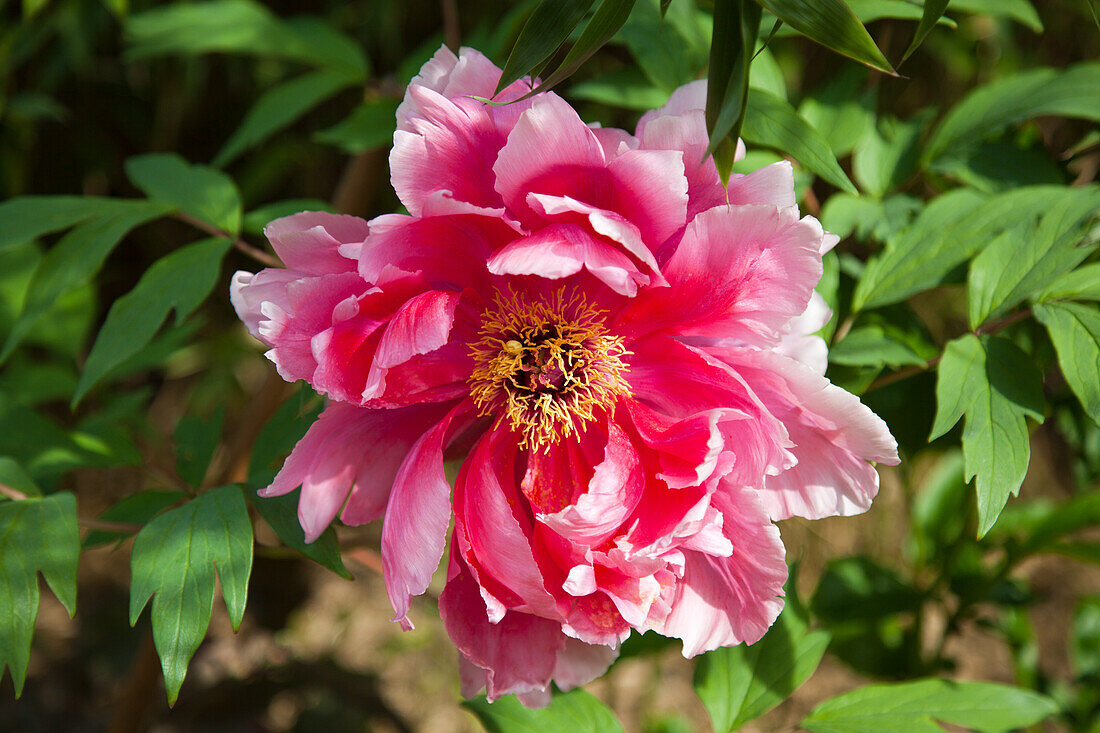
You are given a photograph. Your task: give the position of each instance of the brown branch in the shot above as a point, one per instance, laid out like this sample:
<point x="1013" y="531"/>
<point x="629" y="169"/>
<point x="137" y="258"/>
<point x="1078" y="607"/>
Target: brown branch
<point x="13" y="494"/>
<point x="452" y="33"/>
<point x="254" y="252"/>
<point x="101" y="525"/>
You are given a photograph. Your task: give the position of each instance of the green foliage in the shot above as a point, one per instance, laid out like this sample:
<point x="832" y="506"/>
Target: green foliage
<point x="368" y="127"/>
<point x="204" y="193"/>
<point x="833" y="24"/>
<point x="180" y="281"/>
<point x="917" y="706"/>
<point x="135" y="509"/>
<point x="545" y="31"/>
<point x="576" y="711"/>
<point x="1075" y="330"/>
<point x="736" y="25"/>
<point x="995" y="385"/>
<point x="196" y="440"/>
<point x="173" y="562"/>
<point x="37" y="535"/>
<point x="738" y="684"/>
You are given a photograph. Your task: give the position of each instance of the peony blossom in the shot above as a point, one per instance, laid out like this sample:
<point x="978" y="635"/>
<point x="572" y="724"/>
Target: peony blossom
<point x="619" y="346"/>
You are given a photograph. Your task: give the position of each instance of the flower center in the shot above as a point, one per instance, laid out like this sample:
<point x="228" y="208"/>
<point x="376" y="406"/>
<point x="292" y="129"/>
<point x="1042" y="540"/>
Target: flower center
<point x="550" y="366"/>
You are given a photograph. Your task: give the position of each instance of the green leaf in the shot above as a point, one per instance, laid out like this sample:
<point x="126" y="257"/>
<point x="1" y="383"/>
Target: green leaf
<point x="868" y="218"/>
<point x="280" y="106"/>
<point x="1000" y="165"/>
<point x="13" y="476"/>
<point x="916" y="706"/>
<point x="773" y="123"/>
<point x="736" y="25"/>
<point x="576" y="711"/>
<point x="1085" y="640"/>
<point x="887" y="155"/>
<point x="1022" y="11"/>
<point x="872" y="346"/>
<point x="832" y="24"/>
<point x="671" y="51"/>
<point x="26" y="218"/>
<point x="627" y="87"/>
<point x="605" y="23"/>
<point x="933" y="11"/>
<point x="37" y="535"/>
<point x="741" y="683"/>
<point x="545" y="31"/>
<point x="947" y="232"/>
<point x="842" y="109"/>
<point x="1022" y="261"/>
<point x="1075" y="331"/>
<point x="196" y="190"/>
<point x="995" y="385"/>
<point x="136" y="508"/>
<point x="281" y="513"/>
<point x="173" y="562"/>
<point x="1081" y="284"/>
<point x="240" y="26"/>
<point x="1079" y="512"/>
<point x="196" y="440"/>
<point x="857" y="589"/>
<point x="370" y="126"/>
<point x="1069" y="92"/>
<point x="180" y="281"/>
<point x="74" y="261"/>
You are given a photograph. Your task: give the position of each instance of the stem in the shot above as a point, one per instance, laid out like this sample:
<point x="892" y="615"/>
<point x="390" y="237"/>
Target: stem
<point x="13" y="494"/>
<point x="100" y="525"/>
<point x="254" y="252"/>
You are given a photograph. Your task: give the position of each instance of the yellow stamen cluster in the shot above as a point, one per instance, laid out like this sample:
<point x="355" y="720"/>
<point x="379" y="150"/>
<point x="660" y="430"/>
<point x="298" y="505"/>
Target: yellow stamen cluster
<point x="550" y="366"/>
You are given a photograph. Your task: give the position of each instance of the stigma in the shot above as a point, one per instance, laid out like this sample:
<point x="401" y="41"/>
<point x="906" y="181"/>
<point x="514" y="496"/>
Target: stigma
<point x="548" y="367"/>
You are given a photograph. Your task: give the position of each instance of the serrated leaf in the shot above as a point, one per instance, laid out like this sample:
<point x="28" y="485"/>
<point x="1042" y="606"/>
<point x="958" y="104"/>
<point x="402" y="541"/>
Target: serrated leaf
<point x="196" y="440"/>
<point x="136" y="508"/>
<point x="173" y="562"/>
<point x="279" y="107"/>
<point x="917" y="706"/>
<point x="741" y="683"/>
<point x="1069" y="92"/>
<point x="887" y="155"/>
<point x="75" y="259"/>
<point x="1075" y="330"/>
<point x="995" y="385"/>
<point x="178" y="281"/>
<point x="933" y="11"/>
<point x="947" y="232"/>
<point x="197" y="190"/>
<point x="368" y="127"/>
<point x="1022" y="261"/>
<point x="736" y="25"/>
<point x="773" y="123"/>
<point x="37" y="535"/>
<point x="240" y="26"/>
<point x="545" y="31"/>
<point x="832" y="24"/>
<point x="576" y="711"/>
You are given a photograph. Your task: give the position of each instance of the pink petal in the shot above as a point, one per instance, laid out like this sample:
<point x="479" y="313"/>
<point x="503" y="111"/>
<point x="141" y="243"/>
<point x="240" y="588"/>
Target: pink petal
<point x="415" y="528"/>
<point x="834" y="437"/>
<point x="801" y="344"/>
<point x="348" y="449"/>
<point x="560" y="250"/>
<point x="310" y="241"/>
<point x="771" y="185"/>
<point x="739" y="273"/>
<point x="722" y="601"/>
<point x="248" y="292"/>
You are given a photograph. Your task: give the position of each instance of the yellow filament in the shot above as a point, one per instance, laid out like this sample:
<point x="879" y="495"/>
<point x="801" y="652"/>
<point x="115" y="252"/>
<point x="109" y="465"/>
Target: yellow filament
<point x="564" y="337"/>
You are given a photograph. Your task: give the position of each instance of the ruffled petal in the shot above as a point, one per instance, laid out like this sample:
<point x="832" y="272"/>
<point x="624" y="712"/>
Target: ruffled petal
<point x="310" y="241"/>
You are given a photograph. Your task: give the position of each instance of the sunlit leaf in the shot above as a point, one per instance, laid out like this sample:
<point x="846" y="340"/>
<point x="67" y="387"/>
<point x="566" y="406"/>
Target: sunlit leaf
<point x="196" y="190"/>
<point x="576" y="711"/>
<point x="550" y="24"/>
<point x="933" y="11"/>
<point x="736" y="25"/>
<point x="832" y="24"/>
<point x="1075" y="330"/>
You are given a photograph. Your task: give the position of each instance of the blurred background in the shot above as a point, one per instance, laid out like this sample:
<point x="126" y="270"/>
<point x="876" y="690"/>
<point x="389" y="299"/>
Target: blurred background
<point x="84" y="84"/>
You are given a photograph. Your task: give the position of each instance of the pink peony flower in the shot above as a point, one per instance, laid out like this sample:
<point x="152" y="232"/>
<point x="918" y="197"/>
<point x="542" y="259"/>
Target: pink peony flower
<point x="619" y="343"/>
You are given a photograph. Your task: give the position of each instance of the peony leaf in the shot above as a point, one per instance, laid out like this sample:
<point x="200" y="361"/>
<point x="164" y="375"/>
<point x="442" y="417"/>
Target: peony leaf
<point x="1068" y="92"/>
<point x="136" y="508"/>
<point x="872" y="346"/>
<point x="279" y="107"/>
<point x="576" y="711"/>
<point x="832" y="24"/>
<point x="917" y="706"/>
<point x="179" y="281"/>
<point x="173" y="562"/>
<point x="37" y="535"/>
<point x="1021" y="11"/>
<point x="1075" y="330"/>
<point x="76" y="258"/>
<point x="773" y="123"/>
<point x="740" y="683"/>
<point x="1081" y="284"/>
<point x="545" y="31"/>
<point x="736" y="25"/>
<point x="195" y="190"/>
<point x="196" y="440"/>
<point x="886" y="156"/>
<point x="26" y="218"/>
<point x="995" y="386"/>
<point x="1023" y="260"/>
